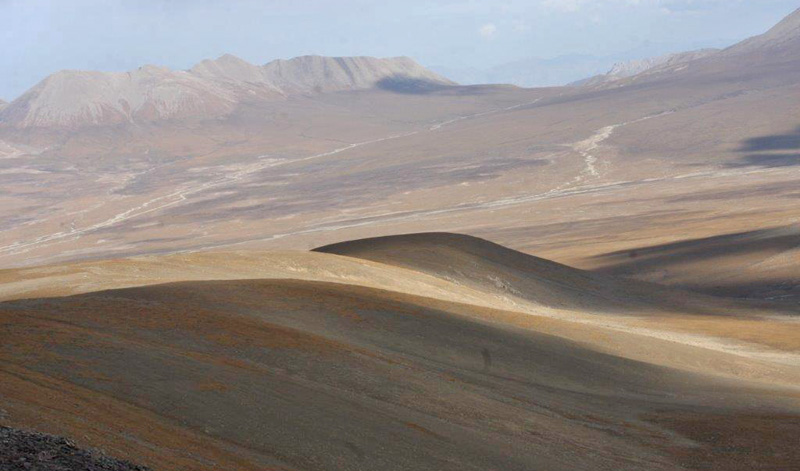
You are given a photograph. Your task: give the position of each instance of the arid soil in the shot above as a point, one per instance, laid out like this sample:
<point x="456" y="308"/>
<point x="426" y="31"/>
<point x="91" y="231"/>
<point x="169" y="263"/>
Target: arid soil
<point x="412" y="352"/>
<point x="568" y="173"/>
<point x="160" y="299"/>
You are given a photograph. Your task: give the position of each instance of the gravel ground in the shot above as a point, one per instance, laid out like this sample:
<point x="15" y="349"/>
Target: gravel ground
<point x="23" y="450"/>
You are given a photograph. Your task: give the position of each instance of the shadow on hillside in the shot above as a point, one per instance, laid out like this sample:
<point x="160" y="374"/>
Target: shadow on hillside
<point x="767" y="161"/>
<point x="410" y="85"/>
<point x="788" y="189"/>
<point x="781" y="290"/>
<point x="661" y="259"/>
<point x="406" y="85"/>
<point x="773" y="151"/>
<point x="657" y="257"/>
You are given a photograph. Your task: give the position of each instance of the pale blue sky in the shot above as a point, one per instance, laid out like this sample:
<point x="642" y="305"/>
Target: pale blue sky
<point x="42" y="36"/>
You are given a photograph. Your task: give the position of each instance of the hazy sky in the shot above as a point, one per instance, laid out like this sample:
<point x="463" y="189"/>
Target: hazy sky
<point x="42" y="36"/>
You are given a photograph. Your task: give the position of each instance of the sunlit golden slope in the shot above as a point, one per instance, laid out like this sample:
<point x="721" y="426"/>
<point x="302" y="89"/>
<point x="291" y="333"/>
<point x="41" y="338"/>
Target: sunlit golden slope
<point x="438" y="352"/>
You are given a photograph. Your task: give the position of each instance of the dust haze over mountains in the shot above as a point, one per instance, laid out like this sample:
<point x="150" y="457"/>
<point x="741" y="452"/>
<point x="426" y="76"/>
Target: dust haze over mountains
<point x="358" y="263"/>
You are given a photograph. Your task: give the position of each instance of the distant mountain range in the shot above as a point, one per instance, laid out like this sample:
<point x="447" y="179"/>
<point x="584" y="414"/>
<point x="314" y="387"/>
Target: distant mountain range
<point x="588" y="70"/>
<point x="772" y="54"/>
<point x="215" y="88"/>
<point x="210" y="89"/>
<point x="783" y="38"/>
<point x="532" y="72"/>
<point x="622" y="70"/>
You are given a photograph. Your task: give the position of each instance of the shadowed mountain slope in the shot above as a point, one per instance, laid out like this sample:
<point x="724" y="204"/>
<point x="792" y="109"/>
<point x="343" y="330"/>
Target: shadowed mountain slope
<point x="509" y="274"/>
<point x="758" y="264"/>
<point x="309" y="74"/>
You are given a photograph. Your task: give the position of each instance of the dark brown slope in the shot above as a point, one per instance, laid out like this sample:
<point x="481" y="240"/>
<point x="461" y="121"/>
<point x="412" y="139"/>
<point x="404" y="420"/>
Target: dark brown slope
<point x="254" y="375"/>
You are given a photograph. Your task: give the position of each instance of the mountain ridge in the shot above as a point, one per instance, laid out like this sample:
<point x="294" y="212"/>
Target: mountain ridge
<point x="210" y="89"/>
<point x="772" y="50"/>
<point x="621" y="70"/>
<point x="784" y="35"/>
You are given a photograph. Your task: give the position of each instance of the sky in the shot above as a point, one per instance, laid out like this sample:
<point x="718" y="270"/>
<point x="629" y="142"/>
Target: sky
<point x="43" y="36"/>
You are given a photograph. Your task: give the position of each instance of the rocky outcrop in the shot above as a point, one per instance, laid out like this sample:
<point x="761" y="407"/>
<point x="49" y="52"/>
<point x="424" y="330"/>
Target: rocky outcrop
<point x="23" y="451"/>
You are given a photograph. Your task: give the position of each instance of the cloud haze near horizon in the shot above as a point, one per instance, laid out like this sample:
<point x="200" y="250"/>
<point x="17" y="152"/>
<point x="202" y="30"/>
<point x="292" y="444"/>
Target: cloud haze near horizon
<point x="43" y="36"/>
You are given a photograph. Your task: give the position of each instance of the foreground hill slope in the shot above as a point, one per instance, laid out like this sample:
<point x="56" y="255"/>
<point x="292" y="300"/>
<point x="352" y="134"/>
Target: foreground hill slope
<point x="520" y="282"/>
<point x="321" y="361"/>
<point x="518" y="277"/>
<point x="444" y="267"/>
